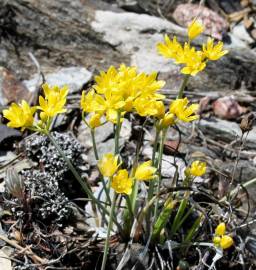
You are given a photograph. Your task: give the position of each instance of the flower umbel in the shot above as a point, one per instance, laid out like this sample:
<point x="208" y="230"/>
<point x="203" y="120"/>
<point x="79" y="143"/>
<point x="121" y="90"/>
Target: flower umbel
<point x="145" y="171"/>
<point x="121" y="182"/>
<point x="54" y="101"/>
<point x="20" y="115"/>
<point x="193" y="60"/>
<point x="108" y="165"/>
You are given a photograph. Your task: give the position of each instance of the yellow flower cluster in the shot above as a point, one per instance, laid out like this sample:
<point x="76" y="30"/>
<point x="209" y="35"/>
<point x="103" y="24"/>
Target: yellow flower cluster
<point x="22" y="115"/>
<point x="193" y="60"/>
<point x="53" y="101"/>
<point x="122" y="90"/>
<point x="120" y="180"/>
<point x="197" y="168"/>
<point x="125" y="90"/>
<point x="221" y="240"/>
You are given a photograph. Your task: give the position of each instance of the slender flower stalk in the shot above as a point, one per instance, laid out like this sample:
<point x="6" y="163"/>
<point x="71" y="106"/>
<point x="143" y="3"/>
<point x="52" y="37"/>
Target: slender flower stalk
<point x="117" y="133"/>
<point x="110" y="222"/>
<point x="152" y="183"/>
<point x="94" y="144"/>
<point x="159" y="163"/>
<point x="183" y="85"/>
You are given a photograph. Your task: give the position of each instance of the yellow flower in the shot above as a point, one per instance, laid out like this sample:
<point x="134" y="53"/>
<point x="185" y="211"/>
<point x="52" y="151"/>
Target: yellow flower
<point x="54" y="101"/>
<point x="121" y="182"/>
<point x="170" y="49"/>
<point x="226" y="241"/>
<point x="160" y="109"/>
<point x="108" y="165"/>
<point x="20" y="115"/>
<point x="109" y="101"/>
<point x="213" y="52"/>
<point x="112" y="115"/>
<point x="119" y="89"/>
<point x="167" y="120"/>
<point x="192" y="59"/>
<point x="221" y="240"/>
<point x="182" y="111"/>
<point x="87" y="101"/>
<point x="106" y="80"/>
<point x="220" y="229"/>
<point x="195" y="28"/>
<point x="95" y="121"/>
<point x="148" y="85"/>
<point x="145" y="107"/>
<point x="145" y="171"/>
<point x="197" y="168"/>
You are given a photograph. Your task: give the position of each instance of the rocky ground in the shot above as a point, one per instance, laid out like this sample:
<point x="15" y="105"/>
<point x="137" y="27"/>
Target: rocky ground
<point x="68" y="42"/>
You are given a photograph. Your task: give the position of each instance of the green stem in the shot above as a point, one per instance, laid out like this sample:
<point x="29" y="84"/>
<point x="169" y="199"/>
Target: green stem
<point x="94" y="144"/>
<point x="159" y="165"/>
<point x="129" y="205"/>
<point x="106" y="247"/>
<point x="117" y="133"/>
<point x="97" y="158"/>
<point x="152" y="183"/>
<point x="182" y="88"/>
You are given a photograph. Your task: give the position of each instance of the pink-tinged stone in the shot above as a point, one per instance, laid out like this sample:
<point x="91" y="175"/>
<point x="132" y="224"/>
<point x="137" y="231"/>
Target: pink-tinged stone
<point x="214" y="24"/>
<point x="227" y="108"/>
<point x="11" y="89"/>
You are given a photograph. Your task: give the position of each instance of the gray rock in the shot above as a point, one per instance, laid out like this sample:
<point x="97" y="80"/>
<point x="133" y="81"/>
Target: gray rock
<point x="168" y="168"/>
<point x="227" y="131"/>
<point x="73" y="77"/>
<point x="103" y="148"/>
<point x="136" y="35"/>
<point x="245" y="170"/>
<point x="8" y="136"/>
<point x="62" y="37"/>
<point x="102" y="133"/>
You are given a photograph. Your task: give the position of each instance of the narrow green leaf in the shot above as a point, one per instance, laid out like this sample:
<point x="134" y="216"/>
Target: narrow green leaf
<point x="176" y="223"/>
<point x="192" y="230"/>
<point x="163" y="217"/>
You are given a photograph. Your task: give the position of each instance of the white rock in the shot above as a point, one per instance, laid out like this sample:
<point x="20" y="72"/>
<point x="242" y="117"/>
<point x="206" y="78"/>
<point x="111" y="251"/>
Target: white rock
<point x="235" y="42"/>
<point x="136" y="35"/>
<point x="168" y="168"/>
<point x="240" y="32"/>
<point x="73" y="77"/>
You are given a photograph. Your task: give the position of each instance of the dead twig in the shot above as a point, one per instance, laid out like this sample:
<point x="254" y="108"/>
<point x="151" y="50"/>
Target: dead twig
<point x="26" y="250"/>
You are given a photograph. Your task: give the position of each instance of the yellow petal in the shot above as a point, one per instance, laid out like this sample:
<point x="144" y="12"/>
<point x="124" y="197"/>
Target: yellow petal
<point x="221" y="229"/>
<point x="226" y="241"/>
